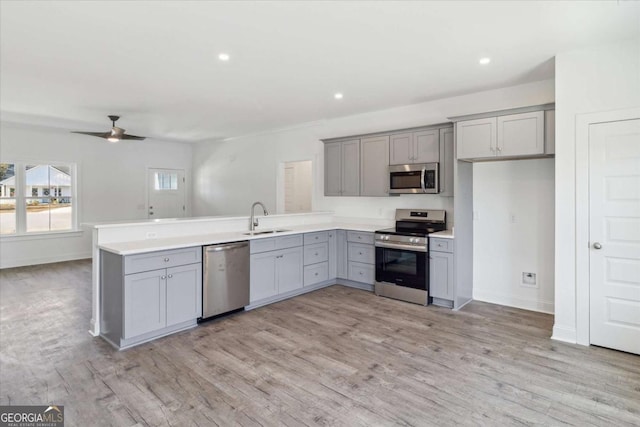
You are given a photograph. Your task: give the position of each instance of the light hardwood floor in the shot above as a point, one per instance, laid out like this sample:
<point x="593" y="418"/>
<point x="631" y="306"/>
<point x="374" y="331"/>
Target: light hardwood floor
<point x="337" y="356"/>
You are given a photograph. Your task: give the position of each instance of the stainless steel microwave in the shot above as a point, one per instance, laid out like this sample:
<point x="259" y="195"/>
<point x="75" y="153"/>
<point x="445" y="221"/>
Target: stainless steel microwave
<point x="414" y="179"/>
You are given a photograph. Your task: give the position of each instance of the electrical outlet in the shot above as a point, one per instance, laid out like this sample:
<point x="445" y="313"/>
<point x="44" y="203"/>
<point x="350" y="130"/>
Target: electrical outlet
<point x="152" y="235"/>
<point x="529" y="279"/>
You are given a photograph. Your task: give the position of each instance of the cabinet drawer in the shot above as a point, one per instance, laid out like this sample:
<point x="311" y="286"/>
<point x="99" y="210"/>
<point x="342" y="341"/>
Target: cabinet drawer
<point x="360" y="237"/>
<point x="273" y="243"/>
<point x="316" y="273"/>
<point x="441" y="245"/>
<point x="319" y="237"/>
<point x="162" y="259"/>
<point x="364" y="273"/>
<point x="362" y="253"/>
<point x="314" y="254"/>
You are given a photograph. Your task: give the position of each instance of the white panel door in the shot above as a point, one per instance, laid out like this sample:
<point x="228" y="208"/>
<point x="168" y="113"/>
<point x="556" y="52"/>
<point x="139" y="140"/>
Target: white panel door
<point x="614" y="235"/>
<point x="166" y="193"/>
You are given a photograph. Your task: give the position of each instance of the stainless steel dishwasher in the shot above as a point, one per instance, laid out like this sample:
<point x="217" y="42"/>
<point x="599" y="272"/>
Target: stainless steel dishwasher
<point x="225" y="282"/>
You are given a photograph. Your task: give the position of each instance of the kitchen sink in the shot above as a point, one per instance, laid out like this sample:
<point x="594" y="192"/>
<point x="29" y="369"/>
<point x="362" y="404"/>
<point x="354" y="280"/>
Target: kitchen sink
<point x="257" y="233"/>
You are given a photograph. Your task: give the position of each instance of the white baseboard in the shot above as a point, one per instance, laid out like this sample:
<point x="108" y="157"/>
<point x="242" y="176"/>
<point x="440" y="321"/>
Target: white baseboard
<point x="564" y="334"/>
<point x="23" y="262"/>
<point x="511" y="301"/>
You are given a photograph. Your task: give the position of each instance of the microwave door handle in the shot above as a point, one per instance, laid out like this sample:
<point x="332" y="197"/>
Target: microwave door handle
<point x="424" y="170"/>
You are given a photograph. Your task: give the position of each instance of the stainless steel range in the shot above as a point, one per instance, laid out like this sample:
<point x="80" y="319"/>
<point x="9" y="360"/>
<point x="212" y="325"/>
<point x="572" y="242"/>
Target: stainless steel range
<point x="402" y="255"/>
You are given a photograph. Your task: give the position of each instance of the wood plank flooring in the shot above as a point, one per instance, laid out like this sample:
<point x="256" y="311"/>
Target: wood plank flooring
<point x="337" y="356"/>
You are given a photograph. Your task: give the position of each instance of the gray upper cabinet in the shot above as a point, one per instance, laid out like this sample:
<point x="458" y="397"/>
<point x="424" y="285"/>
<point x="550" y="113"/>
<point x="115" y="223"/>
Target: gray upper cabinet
<point x="446" y="162"/>
<point x="528" y="133"/>
<point x="401" y="149"/>
<point x="521" y="134"/>
<point x="550" y="131"/>
<point x="342" y="168"/>
<point x="414" y="147"/>
<point x="333" y="169"/>
<point x="476" y="138"/>
<point x="426" y="146"/>
<point x="374" y="162"/>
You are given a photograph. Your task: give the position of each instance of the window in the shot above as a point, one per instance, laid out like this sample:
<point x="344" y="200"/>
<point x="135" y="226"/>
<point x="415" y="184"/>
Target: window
<point x="166" y="181"/>
<point x="36" y="198"/>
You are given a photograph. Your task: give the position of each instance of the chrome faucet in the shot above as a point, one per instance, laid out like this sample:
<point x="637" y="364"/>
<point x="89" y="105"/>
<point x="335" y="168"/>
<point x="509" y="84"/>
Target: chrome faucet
<point x="253" y="221"/>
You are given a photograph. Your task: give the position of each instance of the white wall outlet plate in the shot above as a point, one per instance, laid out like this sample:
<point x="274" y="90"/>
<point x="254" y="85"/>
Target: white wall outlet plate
<point x="152" y="235"/>
<point x="529" y="279"/>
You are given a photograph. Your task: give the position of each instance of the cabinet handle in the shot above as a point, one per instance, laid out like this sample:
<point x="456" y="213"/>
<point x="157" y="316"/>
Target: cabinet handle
<point x="166" y="260"/>
<point x="170" y="276"/>
<point x="499" y="149"/>
<point x="163" y="277"/>
<point x="359" y="253"/>
<point x="316" y="274"/>
<point x="316" y="254"/>
<point x="361" y="273"/>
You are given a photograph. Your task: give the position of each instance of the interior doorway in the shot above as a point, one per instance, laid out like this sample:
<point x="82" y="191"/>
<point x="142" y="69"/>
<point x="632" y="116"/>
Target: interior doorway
<point x="165" y="193"/>
<point x="296" y="186"/>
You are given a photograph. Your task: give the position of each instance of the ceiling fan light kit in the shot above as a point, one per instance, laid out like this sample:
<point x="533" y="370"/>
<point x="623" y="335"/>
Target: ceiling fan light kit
<point x="116" y="134"/>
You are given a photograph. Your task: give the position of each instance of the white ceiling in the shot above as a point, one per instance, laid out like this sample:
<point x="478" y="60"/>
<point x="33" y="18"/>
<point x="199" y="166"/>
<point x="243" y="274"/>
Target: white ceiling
<point x="156" y="62"/>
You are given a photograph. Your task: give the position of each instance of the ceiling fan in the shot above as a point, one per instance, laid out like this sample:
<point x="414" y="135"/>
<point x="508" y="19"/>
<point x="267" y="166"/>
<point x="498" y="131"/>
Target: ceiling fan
<point x="116" y="134"/>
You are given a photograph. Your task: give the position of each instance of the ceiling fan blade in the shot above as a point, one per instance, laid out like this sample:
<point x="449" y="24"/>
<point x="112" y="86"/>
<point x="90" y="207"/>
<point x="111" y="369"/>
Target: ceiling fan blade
<point x="98" y="134"/>
<point x="133" y="137"/>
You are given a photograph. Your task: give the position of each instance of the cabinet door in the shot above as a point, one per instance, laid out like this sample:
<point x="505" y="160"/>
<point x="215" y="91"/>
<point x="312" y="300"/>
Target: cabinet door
<point x="426" y="146"/>
<point x="289" y="269"/>
<point x="262" y="280"/>
<point x="333" y="255"/>
<point x="184" y="288"/>
<point x="351" y="168"/>
<point x="441" y="275"/>
<point x="446" y="162"/>
<point x="144" y="302"/>
<point x="550" y="132"/>
<point x="374" y="166"/>
<point x="401" y="149"/>
<point x="333" y="169"/>
<point x="476" y="139"/>
<point x="341" y="254"/>
<point x="521" y="134"/>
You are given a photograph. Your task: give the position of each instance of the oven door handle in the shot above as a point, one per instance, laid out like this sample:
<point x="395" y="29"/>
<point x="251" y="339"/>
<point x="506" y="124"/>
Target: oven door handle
<point x="400" y="246"/>
<point x="424" y="171"/>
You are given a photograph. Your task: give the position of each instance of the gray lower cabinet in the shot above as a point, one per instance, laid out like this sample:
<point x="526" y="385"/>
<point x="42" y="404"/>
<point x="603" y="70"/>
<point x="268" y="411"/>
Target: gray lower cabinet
<point x="316" y="257"/>
<point x="341" y="254"/>
<point x="360" y="257"/>
<point x="441" y="284"/>
<point x="275" y="272"/>
<point x="139" y="305"/>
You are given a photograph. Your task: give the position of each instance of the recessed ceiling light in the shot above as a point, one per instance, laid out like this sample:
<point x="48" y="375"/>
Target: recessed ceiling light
<point x="484" y="61"/>
<point x="223" y="57"/>
<point x="338" y="96"/>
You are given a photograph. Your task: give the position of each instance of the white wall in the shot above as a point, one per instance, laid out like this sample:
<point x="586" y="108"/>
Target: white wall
<point x="513" y="232"/>
<point x="111" y="184"/>
<point x="595" y="79"/>
<point x="230" y="174"/>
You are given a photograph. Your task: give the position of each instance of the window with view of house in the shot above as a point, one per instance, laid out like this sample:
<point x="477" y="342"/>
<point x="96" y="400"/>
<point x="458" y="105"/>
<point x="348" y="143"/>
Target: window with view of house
<point x="36" y="198"/>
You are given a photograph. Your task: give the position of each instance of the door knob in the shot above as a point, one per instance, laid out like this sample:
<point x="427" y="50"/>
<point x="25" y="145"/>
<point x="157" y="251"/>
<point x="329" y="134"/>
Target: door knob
<point x="597" y="245"/>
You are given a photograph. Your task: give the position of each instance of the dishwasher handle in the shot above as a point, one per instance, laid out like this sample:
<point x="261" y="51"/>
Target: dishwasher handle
<point x="217" y="248"/>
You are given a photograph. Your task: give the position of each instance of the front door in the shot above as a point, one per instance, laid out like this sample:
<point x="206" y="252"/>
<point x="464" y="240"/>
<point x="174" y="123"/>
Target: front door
<point x="614" y="235"/>
<point x="166" y="193"/>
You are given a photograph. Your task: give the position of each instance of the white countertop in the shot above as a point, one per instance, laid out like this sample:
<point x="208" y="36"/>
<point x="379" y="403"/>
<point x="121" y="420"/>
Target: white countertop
<point x="152" y="245"/>
<point x="446" y="234"/>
